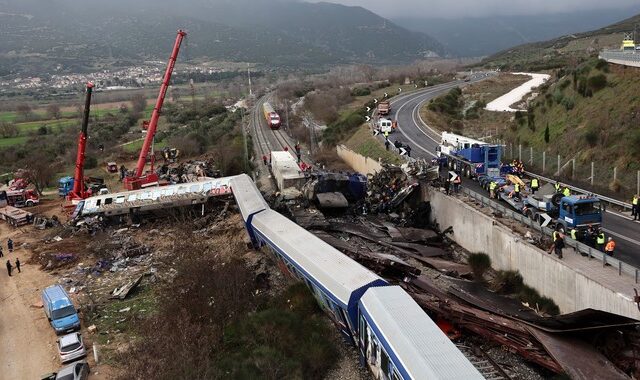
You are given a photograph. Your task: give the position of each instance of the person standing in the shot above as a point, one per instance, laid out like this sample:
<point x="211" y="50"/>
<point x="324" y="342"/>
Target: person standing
<point x="264" y="160"/>
<point x="447" y="185"/>
<point x="10" y="245"/>
<point x="557" y="186"/>
<point x="600" y="241"/>
<point x="558" y="244"/>
<point x="516" y="191"/>
<point x="492" y="189"/>
<point x="456" y="184"/>
<point x="534" y="185"/>
<point x="386" y="144"/>
<point x="123" y="172"/>
<point x="408" y="148"/>
<point x="610" y="247"/>
<point x="566" y="192"/>
<point x="18" y="265"/>
<point x="634" y="207"/>
<point x="9" y="267"/>
<point x="298" y="151"/>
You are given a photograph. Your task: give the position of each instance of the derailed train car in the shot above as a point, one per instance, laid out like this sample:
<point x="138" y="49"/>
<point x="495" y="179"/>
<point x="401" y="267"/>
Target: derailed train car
<point x="395" y="337"/>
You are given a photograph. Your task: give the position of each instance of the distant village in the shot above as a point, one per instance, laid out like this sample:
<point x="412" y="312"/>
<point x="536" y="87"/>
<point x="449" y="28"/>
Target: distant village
<point x="131" y="77"/>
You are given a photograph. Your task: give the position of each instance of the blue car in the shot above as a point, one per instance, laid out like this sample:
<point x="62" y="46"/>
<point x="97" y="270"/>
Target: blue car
<point x="60" y="310"/>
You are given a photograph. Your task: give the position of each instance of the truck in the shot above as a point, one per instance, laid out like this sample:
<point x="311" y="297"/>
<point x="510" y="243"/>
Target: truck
<point x="471" y="158"/>
<point x="384" y="108"/>
<point x="21" y="198"/>
<point x="94" y="185"/>
<point x="13" y="216"/>
<point x="555" y="210"/>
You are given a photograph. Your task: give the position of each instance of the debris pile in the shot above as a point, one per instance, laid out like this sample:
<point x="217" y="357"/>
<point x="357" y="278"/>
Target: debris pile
<point x="189" y="171"/>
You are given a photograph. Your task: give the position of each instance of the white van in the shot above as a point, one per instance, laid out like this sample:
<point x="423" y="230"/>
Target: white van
<point x="385" y="125"/>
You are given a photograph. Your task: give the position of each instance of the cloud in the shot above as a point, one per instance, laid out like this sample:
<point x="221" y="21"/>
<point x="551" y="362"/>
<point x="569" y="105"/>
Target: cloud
<point x="481" y="8"/>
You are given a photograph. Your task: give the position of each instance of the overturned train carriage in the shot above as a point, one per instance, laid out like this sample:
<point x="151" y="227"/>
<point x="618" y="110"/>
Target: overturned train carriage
<point x="395" y="337"/>
<point x="153" y="199"/>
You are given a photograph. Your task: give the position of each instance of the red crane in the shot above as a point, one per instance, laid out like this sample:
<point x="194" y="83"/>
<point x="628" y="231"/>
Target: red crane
<point x="79" y="191"/>
<point x="139" y="179"/>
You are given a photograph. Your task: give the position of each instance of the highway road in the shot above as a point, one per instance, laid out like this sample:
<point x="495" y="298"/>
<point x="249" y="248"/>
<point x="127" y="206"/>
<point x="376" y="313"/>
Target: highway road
<point x="424" y="140"/>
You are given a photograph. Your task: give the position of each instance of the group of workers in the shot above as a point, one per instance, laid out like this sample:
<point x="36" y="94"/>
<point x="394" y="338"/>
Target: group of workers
<point x="9" y="265"/>
<point x="517" y="168"/>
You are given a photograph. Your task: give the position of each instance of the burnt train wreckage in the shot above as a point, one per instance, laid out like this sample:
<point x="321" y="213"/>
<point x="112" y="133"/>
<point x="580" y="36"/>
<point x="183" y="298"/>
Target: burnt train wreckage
<point x="394" y="336"/>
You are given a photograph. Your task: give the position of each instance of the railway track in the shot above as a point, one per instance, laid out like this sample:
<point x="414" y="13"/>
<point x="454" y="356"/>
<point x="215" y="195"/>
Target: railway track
<point x="266" y="139"/>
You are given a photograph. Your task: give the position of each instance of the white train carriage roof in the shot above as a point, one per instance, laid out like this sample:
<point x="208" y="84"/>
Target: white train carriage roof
<point x="336" y="272"/>
<point x="247" y="195"/>
<point x="412" y="338"/>
<point x="156" y="194"/>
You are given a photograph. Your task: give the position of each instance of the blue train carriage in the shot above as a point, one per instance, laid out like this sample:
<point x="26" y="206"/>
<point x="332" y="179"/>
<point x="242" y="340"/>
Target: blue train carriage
<point x="249" y="201"/>
<point x="398" y="340"/>
<point x="335" y="280"/>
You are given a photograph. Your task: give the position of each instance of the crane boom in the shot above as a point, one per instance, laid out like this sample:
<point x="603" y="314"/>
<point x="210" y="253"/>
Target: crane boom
<point x="139" y="180"/>
<point x="79" y="191"/>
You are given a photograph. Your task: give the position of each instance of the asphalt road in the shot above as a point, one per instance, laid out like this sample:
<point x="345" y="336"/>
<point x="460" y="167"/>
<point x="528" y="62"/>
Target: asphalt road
<point x="423" y="141"/>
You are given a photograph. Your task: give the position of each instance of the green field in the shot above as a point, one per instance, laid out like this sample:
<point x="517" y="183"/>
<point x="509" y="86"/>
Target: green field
<point x="135" y="146"/>
<point x="27" y="127"/>
<point x="11" y="141"/>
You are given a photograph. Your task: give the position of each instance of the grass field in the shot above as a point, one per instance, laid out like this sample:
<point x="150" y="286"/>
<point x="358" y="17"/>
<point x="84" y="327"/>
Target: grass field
<point x="11" y="141"/>
<point x="135" y="146"/>
<point x="363" y="142"/>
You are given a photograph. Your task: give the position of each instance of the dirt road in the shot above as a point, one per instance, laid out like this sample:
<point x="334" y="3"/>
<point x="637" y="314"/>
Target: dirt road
<point x="26" y="341"/>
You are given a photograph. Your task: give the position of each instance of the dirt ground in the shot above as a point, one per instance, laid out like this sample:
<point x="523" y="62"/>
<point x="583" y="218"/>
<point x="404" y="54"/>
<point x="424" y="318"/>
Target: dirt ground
<point x="27" y="341"/>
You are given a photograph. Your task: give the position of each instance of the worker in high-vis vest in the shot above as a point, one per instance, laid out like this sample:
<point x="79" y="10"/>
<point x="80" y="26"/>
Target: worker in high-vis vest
<point x="566" y="192"/>
<point x="492" y="189"/>
<point x="574" y="234"/>
<point x="634" y="207"/>
<point x="600" y="241"/>
<point x="534" y="185"/>
<point x="610" y="247"/>
<point x="516" y="191"/>
<point x="557" y="187"/>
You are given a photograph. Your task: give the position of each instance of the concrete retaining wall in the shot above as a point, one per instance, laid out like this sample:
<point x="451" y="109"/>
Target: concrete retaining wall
<point x="358" y="162"/>
<point x="572" y="288"/>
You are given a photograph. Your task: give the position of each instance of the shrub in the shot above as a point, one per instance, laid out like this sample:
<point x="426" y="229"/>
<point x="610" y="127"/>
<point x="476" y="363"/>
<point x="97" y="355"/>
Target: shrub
<point x="479" y="263"/>
<point x="591" y="137"/>
<point x="602" y="65"/>
<point x="508" y="282"/>
<point x="546" y="134"/>
<point x="597" y="82"/>
<point x="568" y="103"/>
<point x="544" y="304"/>
<point x="362" y="91"/>
<point x="90" y="162"/>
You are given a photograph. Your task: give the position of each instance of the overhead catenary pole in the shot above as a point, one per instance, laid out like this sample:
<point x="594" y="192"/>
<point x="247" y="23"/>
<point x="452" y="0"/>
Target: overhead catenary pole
<point x="558" y="173"/>
<point x="593" y="174"/>
<point x="544" y="160"/>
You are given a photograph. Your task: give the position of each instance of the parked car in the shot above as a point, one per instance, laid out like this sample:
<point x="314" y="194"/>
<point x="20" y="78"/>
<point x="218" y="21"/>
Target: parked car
<point x="71" y="347"/>
<point x="59" y="310"/>
<point x="74" y="371"/>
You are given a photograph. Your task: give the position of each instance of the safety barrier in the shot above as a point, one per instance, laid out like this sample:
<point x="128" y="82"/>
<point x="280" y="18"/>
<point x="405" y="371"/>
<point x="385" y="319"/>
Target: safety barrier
<point x="612" y="201"/>
<point x="578" y="247"/>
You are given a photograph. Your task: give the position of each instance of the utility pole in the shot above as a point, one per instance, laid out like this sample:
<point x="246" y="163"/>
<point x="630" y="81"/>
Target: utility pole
<point x="286" y="112"/>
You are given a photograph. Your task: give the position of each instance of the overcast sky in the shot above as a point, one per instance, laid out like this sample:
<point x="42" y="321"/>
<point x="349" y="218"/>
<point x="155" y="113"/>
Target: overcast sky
<point x="467" y="8"/>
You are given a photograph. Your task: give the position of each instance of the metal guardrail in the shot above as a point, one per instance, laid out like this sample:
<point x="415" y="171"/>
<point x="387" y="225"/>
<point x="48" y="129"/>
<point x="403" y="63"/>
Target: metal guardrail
<point x="578" y="247"/>
<point x="616" y="202"/>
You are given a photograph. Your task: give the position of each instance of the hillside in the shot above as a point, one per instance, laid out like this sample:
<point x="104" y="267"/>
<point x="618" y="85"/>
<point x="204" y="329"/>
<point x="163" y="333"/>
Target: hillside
<point x="482" y="36"/>
<point x="563" y="51"/>
<point x="277" y="33"/>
